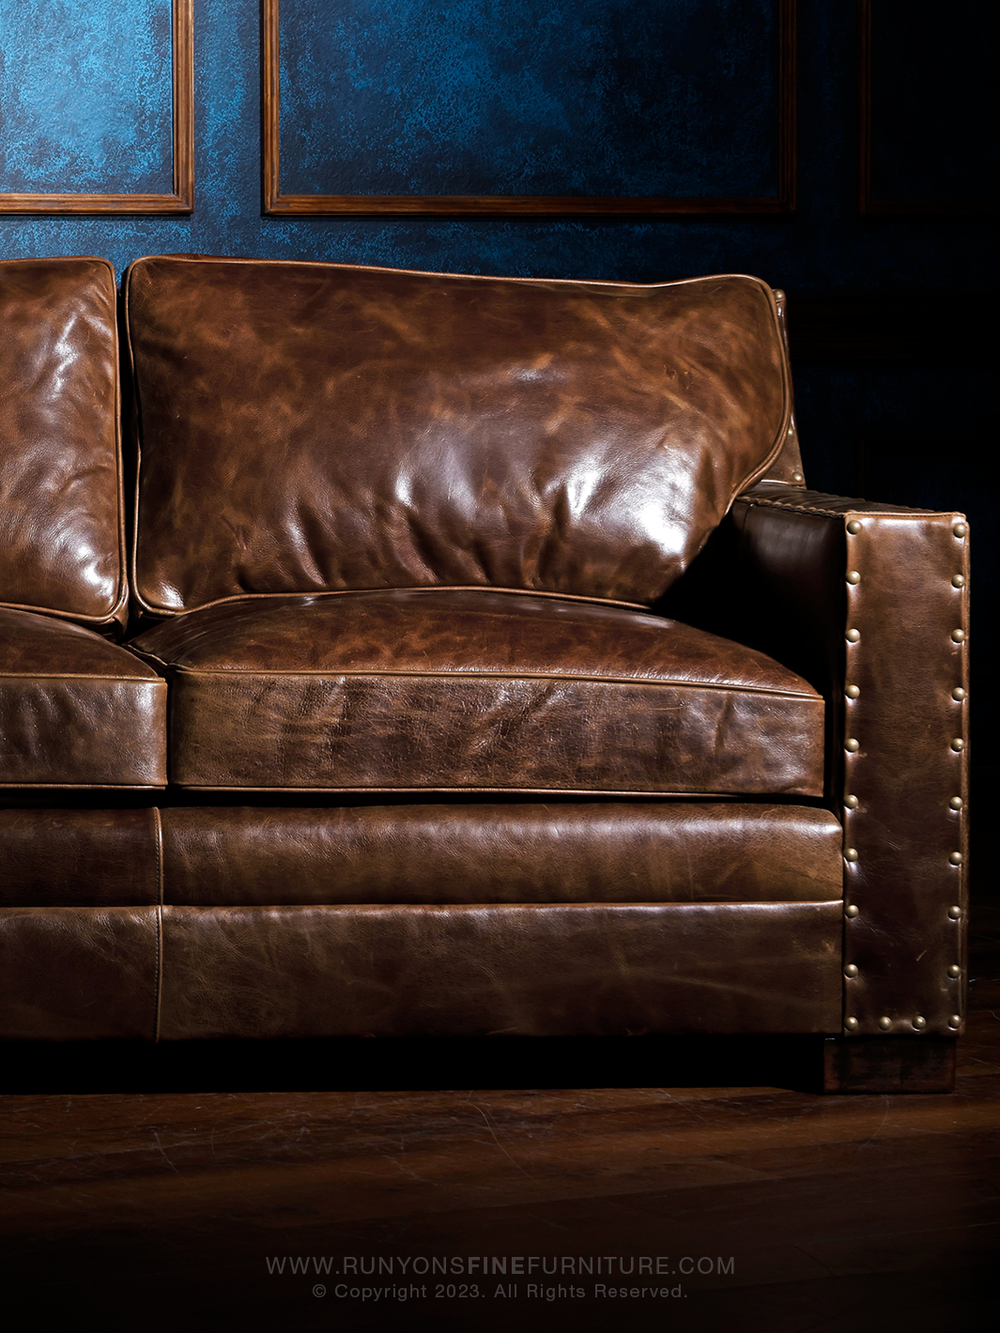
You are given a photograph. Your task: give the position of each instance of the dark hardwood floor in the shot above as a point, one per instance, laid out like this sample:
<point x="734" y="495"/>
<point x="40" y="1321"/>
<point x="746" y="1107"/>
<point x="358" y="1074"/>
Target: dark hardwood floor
<point x="166" y="1188"/>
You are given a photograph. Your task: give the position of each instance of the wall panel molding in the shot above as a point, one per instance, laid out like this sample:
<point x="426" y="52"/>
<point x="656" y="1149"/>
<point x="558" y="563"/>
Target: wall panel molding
<point x="180" y="197"/>
<point x="277" y="201"/>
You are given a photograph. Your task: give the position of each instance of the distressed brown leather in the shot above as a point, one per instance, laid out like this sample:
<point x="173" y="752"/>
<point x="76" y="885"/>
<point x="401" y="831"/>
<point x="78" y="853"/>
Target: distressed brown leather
<point x="448" y="689"/>
<point x="61" y="526"/>
<point x="80" y="858"/>
<point x="76" y="710"/>
<point x="403" y="530"/>
<point x="309" y="427"/>
<point x="500" y="970"/>
<point x="787" y="466"/>
<point x="76" y="973"/>
<point x="599" y="851"/>
<point x="886" y="638"/>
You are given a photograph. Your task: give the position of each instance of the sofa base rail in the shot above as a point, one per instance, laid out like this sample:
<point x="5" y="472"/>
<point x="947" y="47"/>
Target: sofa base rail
<point x="588" y="969"/>
<point x="812" y="1064"/>
<point x="889" y="1064"/>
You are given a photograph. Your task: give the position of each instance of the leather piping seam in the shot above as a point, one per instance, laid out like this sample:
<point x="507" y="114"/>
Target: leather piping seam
<point x="316" y="594"/>
<point x="158" y="986"/>
<point x="94" y="677"/>
<point x="64" y="614"/>
<point x="639" y="288"/>
<point x="471" y="674"/>
<point x="644" y="905"/>
<point x="860" y="511"/>
<point x="695" y="793"/>
<point x="83" y="786"/>
<point x="787" y="411"/>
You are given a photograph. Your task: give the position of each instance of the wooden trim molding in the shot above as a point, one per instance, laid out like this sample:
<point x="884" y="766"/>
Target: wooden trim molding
<point x="871" y="204"/>
<point x="181" y="198"/>
<point x="278" y="204"/>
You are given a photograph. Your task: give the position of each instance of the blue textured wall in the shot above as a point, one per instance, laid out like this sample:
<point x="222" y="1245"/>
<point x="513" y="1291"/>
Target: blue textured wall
<point x="824" y="247"/>
<point x="85" y="96"/>
<point x="591" y="97"/>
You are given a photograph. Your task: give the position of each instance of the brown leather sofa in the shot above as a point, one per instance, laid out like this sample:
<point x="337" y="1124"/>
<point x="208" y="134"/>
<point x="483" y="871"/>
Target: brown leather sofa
<point x="461" y="656"/>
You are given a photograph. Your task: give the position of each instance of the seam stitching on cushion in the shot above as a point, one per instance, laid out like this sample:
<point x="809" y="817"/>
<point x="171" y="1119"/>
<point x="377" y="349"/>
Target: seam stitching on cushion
<point x="94" y="678"/>
<point x="170" y="612"/>
<point x="768" y="502"/>
<point x="463" y="674"/>
<point x="694" y="794"/>
<point x="756" y="474"/>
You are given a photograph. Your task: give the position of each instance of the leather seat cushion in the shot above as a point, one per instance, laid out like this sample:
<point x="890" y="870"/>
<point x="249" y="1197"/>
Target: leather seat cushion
<point x="76" y="710"/>
<point x="454" y="690"/>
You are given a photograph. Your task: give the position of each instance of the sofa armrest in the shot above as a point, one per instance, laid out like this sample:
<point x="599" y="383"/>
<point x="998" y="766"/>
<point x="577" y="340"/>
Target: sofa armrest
<point x="870" y="603"/>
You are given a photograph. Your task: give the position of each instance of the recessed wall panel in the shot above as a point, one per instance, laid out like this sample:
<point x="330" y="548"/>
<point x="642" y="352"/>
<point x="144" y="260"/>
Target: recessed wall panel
<point x="95" y="106"/>
<point x="533" y="106"/>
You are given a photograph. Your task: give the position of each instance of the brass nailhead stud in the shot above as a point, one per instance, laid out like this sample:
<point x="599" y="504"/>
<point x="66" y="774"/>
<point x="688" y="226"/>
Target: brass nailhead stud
<point x="852" y="691"/>
<point x="853" y="576"/>
<point x="798" y="478"/>
<point x="851" y="1024"/>
<point x="885" y="1023"/>
<point x="851" y="802"/>
<point x="958" y="694"/>
<point x="955" y="858"/>
<point x="954" y="912"/>
<point x="958" y="636"/>
<point x="958" y="581"/>
<point x="850" y="854"/>
<point x="854" y="527"/>
<point x="955" y="1021"/>
<point x="920" y="1022"/>
<point x="851" y="970"/>
<point x="954" y="970"/>
<point x="852" y="911"/>
<point x="958" y="744"/>
<point x="956" y="802"/>
<point x="853" y="635"/>
<point x="852" y="746"/>
<point x="960" y="529"/>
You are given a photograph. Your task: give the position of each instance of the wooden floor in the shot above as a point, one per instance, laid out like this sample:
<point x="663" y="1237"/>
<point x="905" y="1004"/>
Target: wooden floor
<point x="168" y="1188"/>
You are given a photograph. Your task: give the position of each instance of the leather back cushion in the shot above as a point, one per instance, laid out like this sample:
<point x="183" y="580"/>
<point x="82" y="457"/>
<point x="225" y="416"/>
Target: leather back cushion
<point x="61" y="544"/>
<point x="320" y="427"/>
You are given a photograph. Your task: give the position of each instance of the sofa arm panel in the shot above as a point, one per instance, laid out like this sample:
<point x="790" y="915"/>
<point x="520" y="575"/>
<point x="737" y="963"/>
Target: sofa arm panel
<point x="870" y="602"/>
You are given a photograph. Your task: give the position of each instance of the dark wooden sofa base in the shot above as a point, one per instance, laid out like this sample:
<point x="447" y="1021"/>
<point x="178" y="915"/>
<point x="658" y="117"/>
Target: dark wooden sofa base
<point x="801" y="1063"/>
<point x="889" y="1064"/>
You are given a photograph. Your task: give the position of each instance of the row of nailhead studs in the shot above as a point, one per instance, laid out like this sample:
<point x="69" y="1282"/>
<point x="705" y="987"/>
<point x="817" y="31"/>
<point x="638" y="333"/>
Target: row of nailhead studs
<point x="960" y="532"/>
<point x="852" y="745"/>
